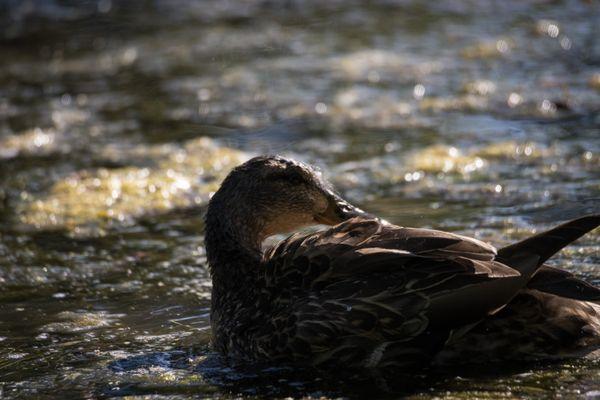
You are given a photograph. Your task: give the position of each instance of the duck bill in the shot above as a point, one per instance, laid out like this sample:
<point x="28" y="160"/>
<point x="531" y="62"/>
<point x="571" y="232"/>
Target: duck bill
<point x="339" y="210"/>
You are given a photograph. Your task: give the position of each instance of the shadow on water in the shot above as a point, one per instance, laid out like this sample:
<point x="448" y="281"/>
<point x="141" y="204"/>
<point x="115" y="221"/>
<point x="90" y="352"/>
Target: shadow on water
<point x="214" y="374"/>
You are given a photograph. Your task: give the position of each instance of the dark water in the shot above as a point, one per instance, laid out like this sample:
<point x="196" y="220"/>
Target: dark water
<point x="117" y="120"/>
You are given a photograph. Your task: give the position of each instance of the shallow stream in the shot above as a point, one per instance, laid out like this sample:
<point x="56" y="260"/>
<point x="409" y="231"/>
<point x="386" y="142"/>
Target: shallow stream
<point x="118" y="119"/>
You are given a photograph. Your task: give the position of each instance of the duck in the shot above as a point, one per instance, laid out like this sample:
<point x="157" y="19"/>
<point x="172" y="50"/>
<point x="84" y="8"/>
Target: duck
<point x="365" y="293"/>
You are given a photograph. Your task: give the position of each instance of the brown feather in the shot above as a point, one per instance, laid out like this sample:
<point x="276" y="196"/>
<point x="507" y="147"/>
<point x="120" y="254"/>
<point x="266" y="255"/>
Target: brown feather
<point x="365" y="293"/>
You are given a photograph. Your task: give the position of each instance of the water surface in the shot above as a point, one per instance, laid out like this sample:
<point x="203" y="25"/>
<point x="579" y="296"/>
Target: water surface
<point x="117" y="121"/>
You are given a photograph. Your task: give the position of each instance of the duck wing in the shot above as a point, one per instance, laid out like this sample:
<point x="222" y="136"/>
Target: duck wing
<point x="369" y="294"/>
<point x="459" y="275"/>
<point x="362" y="285"/>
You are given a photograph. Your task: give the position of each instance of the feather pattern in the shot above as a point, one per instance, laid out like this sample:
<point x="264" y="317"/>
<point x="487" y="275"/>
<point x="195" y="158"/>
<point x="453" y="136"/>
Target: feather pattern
<point x="339" y="295"/>
<point x="376" y="295"/>
<point x="368" y="294"/>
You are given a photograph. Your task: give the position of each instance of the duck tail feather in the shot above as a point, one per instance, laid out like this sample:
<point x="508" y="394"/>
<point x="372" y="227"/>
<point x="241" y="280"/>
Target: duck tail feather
<point x="545" y="244"/>
<point x="563" y="283"/>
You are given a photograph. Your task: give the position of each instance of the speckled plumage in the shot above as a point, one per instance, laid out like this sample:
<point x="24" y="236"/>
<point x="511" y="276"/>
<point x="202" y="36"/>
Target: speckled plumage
<point x="369" y="294"/>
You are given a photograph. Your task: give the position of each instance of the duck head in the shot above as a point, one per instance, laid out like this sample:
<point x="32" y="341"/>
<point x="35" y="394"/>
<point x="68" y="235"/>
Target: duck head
<point x="270" y="195"/>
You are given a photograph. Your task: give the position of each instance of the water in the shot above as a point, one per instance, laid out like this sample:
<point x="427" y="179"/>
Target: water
<point x="118" y="120"/>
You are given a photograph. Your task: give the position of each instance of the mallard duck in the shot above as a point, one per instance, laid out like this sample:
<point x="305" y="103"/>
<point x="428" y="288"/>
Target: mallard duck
<point x="369" y="294"/>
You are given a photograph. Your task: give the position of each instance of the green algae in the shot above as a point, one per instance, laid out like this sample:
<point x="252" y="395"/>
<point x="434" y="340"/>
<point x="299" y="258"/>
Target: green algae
<point x="446" y="159"/>
<point x="451" y="159"/>
<point x="90" y="201"/>
<point x="511" y="149"/>
<point x="35" y="141"/>
<point x="488" y="49"/>
<point x="467" y="102"/>
<point x="71" y="322"/>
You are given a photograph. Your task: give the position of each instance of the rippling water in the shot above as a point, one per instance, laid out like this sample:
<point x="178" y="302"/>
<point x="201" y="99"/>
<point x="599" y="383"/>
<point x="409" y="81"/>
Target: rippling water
<point x="118" y="120"/>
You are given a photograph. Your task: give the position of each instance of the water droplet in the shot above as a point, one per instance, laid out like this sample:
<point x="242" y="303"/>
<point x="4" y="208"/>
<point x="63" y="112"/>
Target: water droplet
<point x="419" y="91"/>
<point x="565" y="43"/>
<point x="514" y="99"/>
<point x="553" y="30"/>
<point x="502" y="46"/>
<point x="391" y="146"/>
<point x="204" y="94"/>
<point x="129" y="56"/>
<point x="65" y="99"/>
<point x="321" y="108"/>
<point x="547" y="107"/>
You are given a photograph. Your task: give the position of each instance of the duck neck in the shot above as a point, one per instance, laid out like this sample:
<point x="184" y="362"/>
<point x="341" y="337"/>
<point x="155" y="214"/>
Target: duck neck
<point x="233" y="251"/>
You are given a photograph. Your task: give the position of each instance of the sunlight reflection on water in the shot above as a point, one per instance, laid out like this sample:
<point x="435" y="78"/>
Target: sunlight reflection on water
<point x="118" y="119"/>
